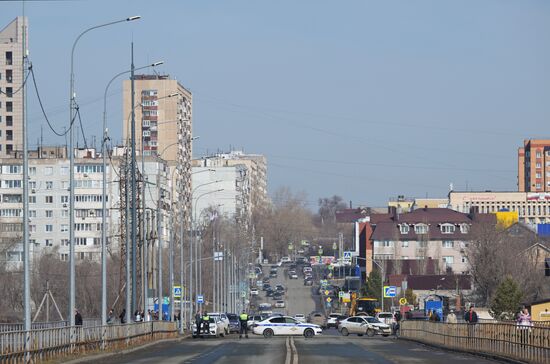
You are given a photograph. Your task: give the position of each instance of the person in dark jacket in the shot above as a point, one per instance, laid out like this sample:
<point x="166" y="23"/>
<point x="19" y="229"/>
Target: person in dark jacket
<point x="122" y="316"/>
<point x="198" y="322"/>
<point x="471" y="316"/>
<point x="77" y="318"/>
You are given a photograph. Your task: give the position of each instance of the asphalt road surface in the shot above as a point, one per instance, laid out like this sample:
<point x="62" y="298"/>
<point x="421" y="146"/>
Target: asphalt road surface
<point x="295" y="350"/>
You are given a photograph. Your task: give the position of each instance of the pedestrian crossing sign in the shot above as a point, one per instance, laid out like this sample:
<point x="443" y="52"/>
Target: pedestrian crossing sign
<point x="177" y="291"/>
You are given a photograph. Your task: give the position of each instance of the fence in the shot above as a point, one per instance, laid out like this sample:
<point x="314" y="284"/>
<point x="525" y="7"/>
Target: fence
<point x="55" y="343"/>
<point x="528" y="344"/>
<point x="4" y="327"/>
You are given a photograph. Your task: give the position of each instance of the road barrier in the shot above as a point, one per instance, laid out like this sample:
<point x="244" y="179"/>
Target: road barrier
<point x="7" y="327"/>
<point x="65" y="342"/>
<point x="504" y="340"/>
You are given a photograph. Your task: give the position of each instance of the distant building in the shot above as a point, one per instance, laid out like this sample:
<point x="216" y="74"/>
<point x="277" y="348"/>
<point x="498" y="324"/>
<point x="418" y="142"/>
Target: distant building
<point x="256" y="173"/>
<point x="49" y="203"/>
<point x="439" y="234"/>
<point x="533" y="208"/>
<point x="534" y="166"/>
<point x="164" y="119"/>
<point x="11" y="80"/>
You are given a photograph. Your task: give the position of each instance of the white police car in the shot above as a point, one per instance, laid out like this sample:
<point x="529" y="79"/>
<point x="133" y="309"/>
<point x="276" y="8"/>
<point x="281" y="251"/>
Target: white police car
<point x="286" y="325"/>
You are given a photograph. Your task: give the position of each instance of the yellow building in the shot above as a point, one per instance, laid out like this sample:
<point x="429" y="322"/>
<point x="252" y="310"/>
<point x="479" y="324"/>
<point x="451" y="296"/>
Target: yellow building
<point x="540" y="310"/>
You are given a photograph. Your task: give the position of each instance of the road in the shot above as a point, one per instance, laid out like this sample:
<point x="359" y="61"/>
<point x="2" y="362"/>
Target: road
<point x="296" y="350"/>
<point x="330" y="347"/>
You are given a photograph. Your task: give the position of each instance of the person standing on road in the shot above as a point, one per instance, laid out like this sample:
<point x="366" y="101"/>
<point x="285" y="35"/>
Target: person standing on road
<point x="198" y="322"/>
<point x="243" y="319"/>
<point x="205" y="323"/>
<point x="451" y="318"/>
<point x="471" y="316"/>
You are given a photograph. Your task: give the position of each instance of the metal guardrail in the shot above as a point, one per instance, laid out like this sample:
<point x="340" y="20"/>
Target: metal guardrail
<point x="64" y="342"/>
<point x="7" y="327"/>
<point x="505" y="340"/>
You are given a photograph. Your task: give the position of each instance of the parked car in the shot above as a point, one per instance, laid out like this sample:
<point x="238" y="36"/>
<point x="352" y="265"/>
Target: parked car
<point x="333" y="318"/>
<point x="280" y="288"/>
<point x="363" y="325"/>
<point x="292" y="274"/>
<point x="215" y="329"/>
<point x="386" y="317"/>
<point x="269" y="293"/>
<point x="300" y="317"/>
<point x="222" y="317"/>
<point x="280" y="304"/>
<point x="307" y="269"/>
<point x="318" y="318"/>
<point x="253" y="320"/>
<point x="266" y="286"/>
<point x="285" y="260"/>
<point x="308" y="282"/>
<point x="273" y="275"/>
<point x="234" y="322"/>
<point x="277" y="296"/>
<point x="254" y="291"/>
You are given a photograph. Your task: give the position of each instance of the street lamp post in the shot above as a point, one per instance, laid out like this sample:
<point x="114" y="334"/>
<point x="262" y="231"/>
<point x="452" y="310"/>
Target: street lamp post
<point x="72" y="107"/>
<point x="104" y="197"/>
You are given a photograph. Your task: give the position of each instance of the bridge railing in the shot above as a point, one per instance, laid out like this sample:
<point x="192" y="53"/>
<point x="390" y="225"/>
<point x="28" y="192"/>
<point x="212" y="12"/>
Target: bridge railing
<point x="507" y="340"/>
<point x="54" y="343"/>
<point x="19" y="326"/>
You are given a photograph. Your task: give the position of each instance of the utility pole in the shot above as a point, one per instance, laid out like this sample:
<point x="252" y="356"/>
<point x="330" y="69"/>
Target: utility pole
<point x="133" y="184"/>
<point x="159" y="235"/>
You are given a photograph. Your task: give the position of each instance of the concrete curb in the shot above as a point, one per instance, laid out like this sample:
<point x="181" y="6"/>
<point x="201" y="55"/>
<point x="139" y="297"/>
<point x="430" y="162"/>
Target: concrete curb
<point x="479" y="354"/>
<point x="94" y="358"/>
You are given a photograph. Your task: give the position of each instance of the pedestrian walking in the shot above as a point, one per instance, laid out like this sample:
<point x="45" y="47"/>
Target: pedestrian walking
<point x="243" y="319"/>
<point x="471" y="318"/>
<point x="77" y="318"/>
<point x="110" y="316"/>
<point x="524" y="324"/>
<point x="137" y="316"/>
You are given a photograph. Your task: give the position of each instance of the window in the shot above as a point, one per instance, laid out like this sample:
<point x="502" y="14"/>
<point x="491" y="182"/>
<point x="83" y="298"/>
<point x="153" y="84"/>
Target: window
<point x="448" y="244"/>
<point x="404" y="257"/>
<point x="9" y="108"/>
<point x="404" y="228"/>
<point x="538" y="175"/>
<point x="97" y="241"/>
<point x="32" y="199"/>
<point x="9" y="76"/>
<point x="64" y="171"/>
<point x="80" y="241"/>
<point x="447" y="228"/>
<point x="538" y="185"/>
<point x="49" y="213"/>
<point x="49" y="228"/>
<point x="32" y="171"/>
<point x="48" y="242"/>
<point x="49" y="185"/>
<point x="538" y="154"/>
<point x="9" y="120"/>
<point x="11" y="183"/>
<point x="64" y="213"/>
<point x="32" y="213"/>
<point x="422" y="244"/>
<point x="464" y="228"/>
<point x="65" y="185"/>
<point x="49" y="199"/>
<point x="463" y="259"/>
<point x="404" y="244"/>
<point x="421" y="229"/>
<point x="538" y="165"/>
<point x="64" y="228"/>
<point x="64" y="199"/>
<point x="32" y="228"/>
<point x="64" y="257"/>
<point x="9" y="91"/>
<point x="448" y="260"/>
<point x="387" y="243"/>
<point x="32" y="185"/>
<point x="48" y="171"/>
<point x="89" y="168"/>
<point x="64" y="242"/>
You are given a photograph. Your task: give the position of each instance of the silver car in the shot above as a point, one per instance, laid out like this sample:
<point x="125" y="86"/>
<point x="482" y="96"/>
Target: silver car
<point x="363" y="325"/>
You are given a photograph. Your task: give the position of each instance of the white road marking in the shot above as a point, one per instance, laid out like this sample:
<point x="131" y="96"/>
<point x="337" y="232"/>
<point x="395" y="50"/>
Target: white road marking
<point x="288" y="352"/>
<point x="294" y="351"/>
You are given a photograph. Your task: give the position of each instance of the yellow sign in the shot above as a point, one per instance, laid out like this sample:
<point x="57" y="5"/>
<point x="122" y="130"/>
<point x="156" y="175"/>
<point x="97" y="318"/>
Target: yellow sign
<point x="403" y="301"/>
<point x="326" y="292"/>
<point x="329" y="299"/>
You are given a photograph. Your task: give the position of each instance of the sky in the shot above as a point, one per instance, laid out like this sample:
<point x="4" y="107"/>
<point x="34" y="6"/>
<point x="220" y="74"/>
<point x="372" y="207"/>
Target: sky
<point x="363" y="99"/>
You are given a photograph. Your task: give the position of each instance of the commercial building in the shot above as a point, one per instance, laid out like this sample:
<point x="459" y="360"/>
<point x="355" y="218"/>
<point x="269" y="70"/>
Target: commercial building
<point x="534" y="166"/>
<point x="11" y="80"/>
<point x="533" y="208"/>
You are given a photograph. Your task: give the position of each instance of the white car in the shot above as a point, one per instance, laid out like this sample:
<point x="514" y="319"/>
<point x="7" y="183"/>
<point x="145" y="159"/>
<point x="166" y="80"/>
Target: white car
<point x="307" y="269"/>
<point x="292" y="274"/>
<point x="331" y="319"/>
<point x="285" y="260"/>
<point x="363" y="325"/>
<point x="254" y="291"/>
<point x="215" y="329"/>
<point x="280" y="304"/>
<point x="286" y="326"/>
<point x="224" y="320"/>
<point x="300" y="317"/>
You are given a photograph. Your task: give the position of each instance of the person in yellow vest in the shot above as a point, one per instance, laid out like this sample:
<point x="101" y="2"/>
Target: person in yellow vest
<point x="205" y="323"/>
<point x="243" y="318"/>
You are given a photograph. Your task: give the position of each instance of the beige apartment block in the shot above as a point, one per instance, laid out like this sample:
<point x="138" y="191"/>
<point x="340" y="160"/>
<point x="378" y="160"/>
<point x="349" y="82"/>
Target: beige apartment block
<point x="11" y="79"/>
<point x="163" y="124"/>
<point x="534" y="166"/>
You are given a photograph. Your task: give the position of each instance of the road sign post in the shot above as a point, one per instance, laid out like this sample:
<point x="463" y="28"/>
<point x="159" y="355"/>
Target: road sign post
<point x="390" y="291"/>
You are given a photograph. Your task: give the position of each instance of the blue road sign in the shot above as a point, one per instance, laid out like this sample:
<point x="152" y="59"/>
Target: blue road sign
<point x="177" y="291"/>
<point x="347" y="255"/>
<point x="200" y="298"/>
<point x="390" y="291"/>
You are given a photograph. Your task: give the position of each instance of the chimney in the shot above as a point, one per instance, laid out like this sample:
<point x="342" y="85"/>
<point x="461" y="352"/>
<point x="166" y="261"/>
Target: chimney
<point x="392" y="210"/>
<point x="425" y="208"/>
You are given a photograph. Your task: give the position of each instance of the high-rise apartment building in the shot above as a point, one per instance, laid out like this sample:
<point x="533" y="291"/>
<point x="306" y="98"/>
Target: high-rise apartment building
<point x="534" y="166"/>
<point x="11" y="79"/>
<point x="163" y="117"/>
